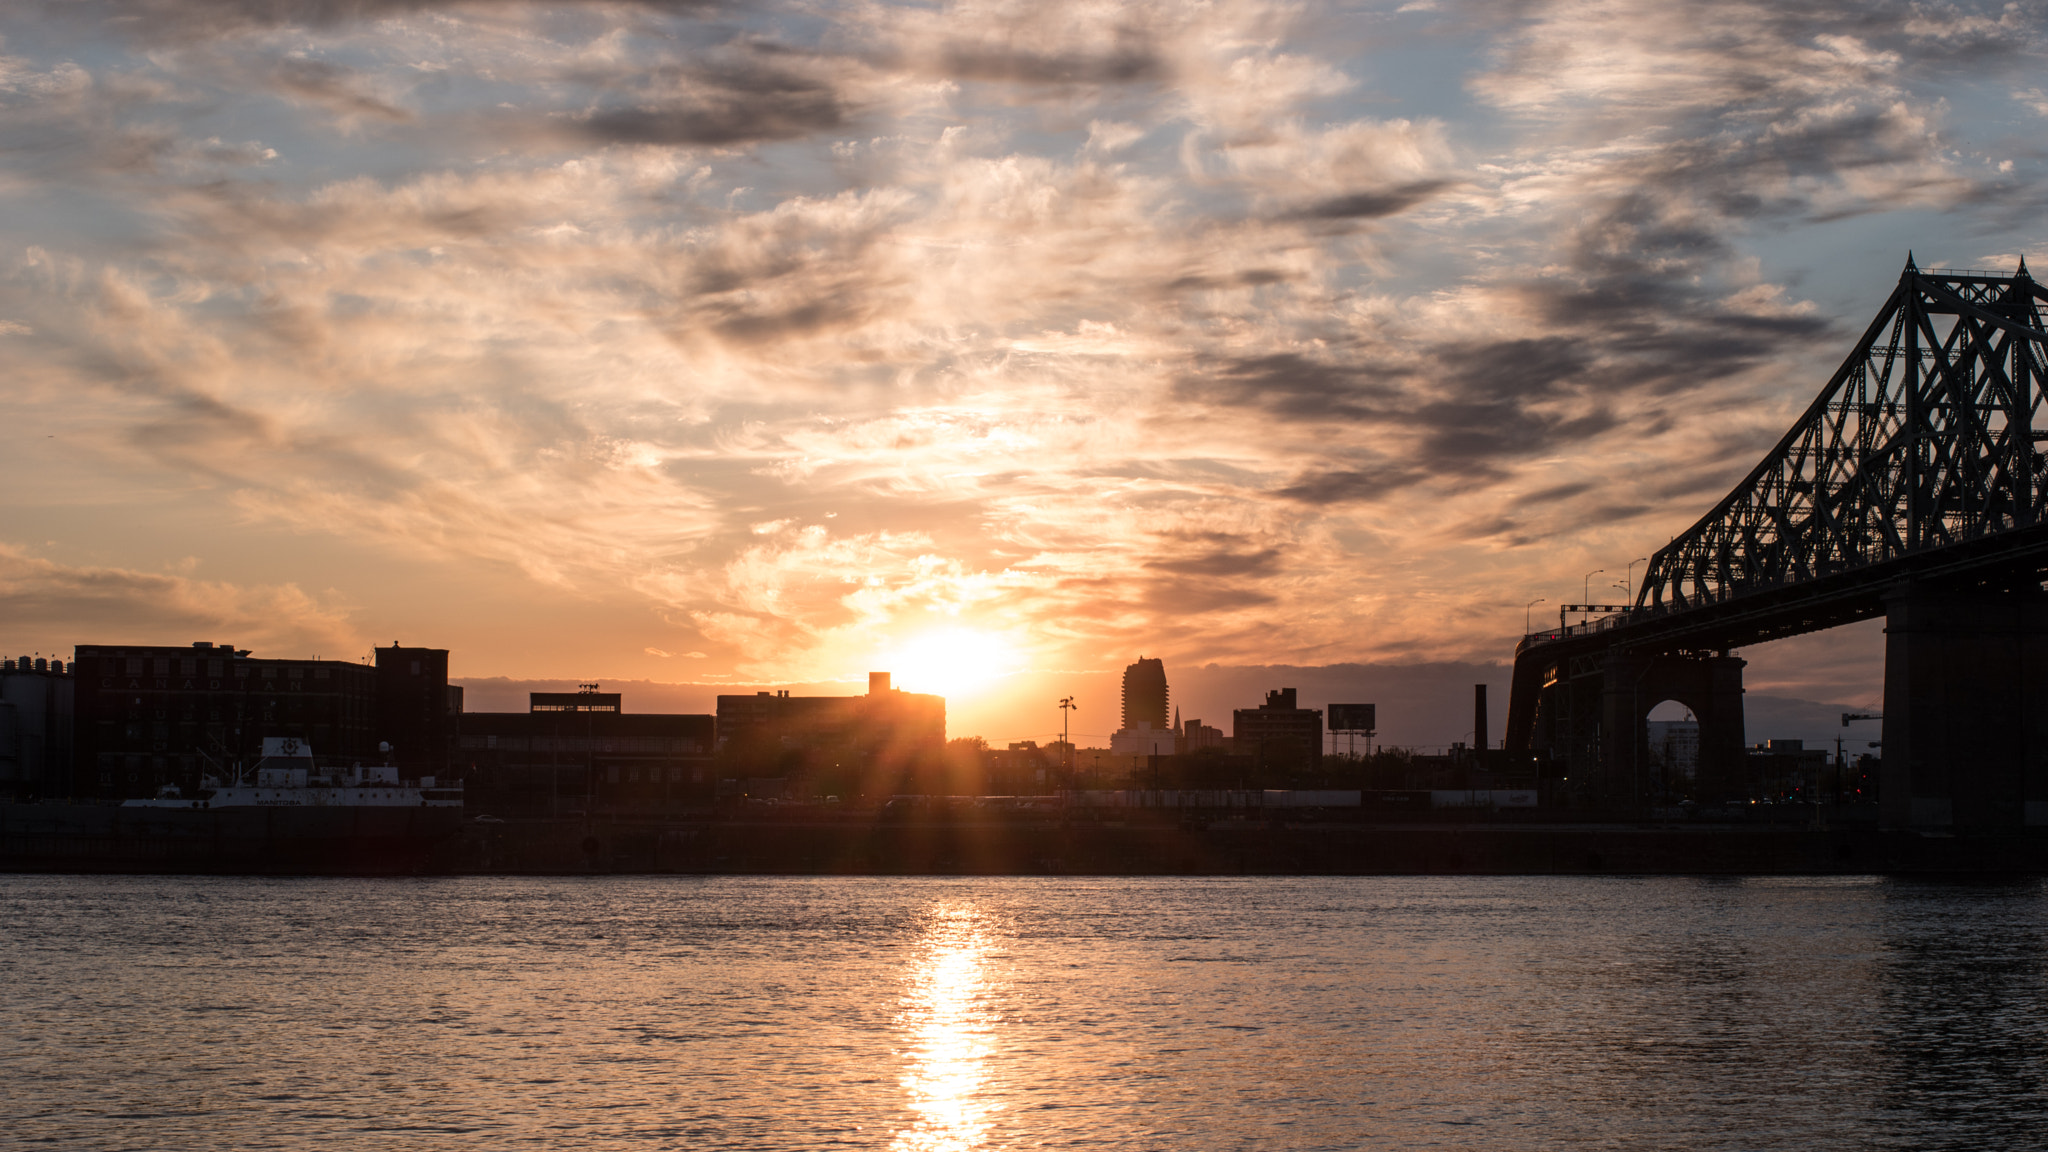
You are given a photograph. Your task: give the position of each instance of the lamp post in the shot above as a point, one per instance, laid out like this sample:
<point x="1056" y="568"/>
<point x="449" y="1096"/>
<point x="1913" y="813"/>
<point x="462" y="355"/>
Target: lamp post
<point x="1525" y="613"/>
<point x="1586" y="586"/>
<point x="1067" y="708"/>
<point x="1628" y="585"/>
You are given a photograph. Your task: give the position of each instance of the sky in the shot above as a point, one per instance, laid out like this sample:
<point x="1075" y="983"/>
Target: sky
<point x="739" y="345"/>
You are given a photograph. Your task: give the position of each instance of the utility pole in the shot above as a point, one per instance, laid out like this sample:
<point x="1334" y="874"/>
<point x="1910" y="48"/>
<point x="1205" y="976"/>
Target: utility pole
<point x="1841" y="765"/>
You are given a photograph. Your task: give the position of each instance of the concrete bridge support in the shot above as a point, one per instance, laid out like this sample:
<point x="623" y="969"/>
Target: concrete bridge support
<point x="1966" y="710"/>
<point x="1708" y="684"/>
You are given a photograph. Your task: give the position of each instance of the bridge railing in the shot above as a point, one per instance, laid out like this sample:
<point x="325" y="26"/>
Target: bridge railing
<point x="1588" y="628"/>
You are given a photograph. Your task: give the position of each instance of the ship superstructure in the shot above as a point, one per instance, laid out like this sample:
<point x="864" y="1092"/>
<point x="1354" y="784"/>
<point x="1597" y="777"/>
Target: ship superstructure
<point x="289" y="776"/>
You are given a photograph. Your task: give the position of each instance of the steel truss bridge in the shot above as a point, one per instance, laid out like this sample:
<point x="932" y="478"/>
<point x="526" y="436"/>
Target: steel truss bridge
<point x="1914" y="487"/>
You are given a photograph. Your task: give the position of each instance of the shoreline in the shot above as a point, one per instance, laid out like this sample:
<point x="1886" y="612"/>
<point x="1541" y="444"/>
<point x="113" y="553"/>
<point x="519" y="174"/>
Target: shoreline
<point x="369" y="842"/>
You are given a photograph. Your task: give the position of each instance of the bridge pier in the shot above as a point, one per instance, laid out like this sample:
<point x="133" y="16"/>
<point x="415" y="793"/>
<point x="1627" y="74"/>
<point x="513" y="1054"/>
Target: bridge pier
<point x="1708" y="684"/>
<point x="1589" y="714"/>
<point x="1966" y="710"/>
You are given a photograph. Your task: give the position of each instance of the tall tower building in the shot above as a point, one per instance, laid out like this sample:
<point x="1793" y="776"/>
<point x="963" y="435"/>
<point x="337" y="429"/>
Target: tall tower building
<point x="1145" y="695"/>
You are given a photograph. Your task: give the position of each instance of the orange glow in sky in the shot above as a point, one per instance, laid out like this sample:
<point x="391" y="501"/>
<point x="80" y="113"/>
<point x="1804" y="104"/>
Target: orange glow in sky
<point x="957" y="663"/>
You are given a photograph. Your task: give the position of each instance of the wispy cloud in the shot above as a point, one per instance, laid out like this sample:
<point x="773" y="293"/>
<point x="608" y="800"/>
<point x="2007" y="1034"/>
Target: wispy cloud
<point x="796" y="329"/>
<point x="69" y="604"/>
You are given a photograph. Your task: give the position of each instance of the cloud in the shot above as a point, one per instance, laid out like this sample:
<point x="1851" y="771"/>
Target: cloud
<point x="737" y="95"/>
<point x="336" y="88"/>
<point x="74" y="604"/>
<point x="186" y="20"/>
<point x="1087" y="326"/>
<point x="1371" y="205"/>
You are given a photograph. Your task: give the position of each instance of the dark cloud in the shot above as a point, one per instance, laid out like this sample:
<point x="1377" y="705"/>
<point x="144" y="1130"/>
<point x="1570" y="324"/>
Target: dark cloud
<point x="1182" y="598"/>
<point x="1124" y="65"/>
<point x="1555" y="493"/>
<point x="190" y="20"/>
<point x="1290" y="385"/>
<point x="751" y="326"/>
<point x="736" y="122"/>
<point x="1249" y="278"/>
<point x="1510" y="369"/>
<point x="1371" y="205"/>
<point x="1347" y="486"/>
<point x="735" y="100"/>
<point x="1615" y="513"/>
<point x="1220" y="563"/>
<point x="333" y="87"/>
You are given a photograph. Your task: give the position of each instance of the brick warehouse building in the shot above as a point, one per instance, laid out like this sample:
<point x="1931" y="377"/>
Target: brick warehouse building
<point x="150" y="715"/>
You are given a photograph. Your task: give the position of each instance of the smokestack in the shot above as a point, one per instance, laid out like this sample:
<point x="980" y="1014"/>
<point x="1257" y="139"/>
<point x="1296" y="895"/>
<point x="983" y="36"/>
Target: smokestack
<point x="1479" y="717"/>
<point x="878" y="683"/>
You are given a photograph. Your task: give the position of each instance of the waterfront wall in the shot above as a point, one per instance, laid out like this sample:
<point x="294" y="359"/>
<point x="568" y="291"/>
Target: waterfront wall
<point x="85" y="838"/>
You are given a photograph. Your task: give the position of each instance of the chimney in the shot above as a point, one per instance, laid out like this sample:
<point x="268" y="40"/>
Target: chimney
<point x="878" y="683"/>
<point x="1479" y="717"/>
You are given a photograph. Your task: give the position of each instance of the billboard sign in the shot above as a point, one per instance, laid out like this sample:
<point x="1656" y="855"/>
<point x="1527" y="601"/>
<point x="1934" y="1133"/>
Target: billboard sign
<point x="1353" y="718"/>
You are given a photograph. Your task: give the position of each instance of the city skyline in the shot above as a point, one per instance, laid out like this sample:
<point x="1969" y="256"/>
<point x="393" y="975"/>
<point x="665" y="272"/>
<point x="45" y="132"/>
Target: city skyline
<point x="736" y="347"/>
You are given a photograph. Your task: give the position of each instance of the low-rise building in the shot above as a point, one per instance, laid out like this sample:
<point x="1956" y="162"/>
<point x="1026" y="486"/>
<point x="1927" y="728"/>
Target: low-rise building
<point x="1278" y="733"/>
<point x="885" y="742"/>
<point x="148" y="715"/>
<point x="1195" y="736"/>
<point x="1143" y="740"/>
<point x="581" y="752"/>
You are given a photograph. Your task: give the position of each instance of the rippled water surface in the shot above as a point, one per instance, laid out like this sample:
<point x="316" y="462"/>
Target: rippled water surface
<point x="1023" y="1013"/>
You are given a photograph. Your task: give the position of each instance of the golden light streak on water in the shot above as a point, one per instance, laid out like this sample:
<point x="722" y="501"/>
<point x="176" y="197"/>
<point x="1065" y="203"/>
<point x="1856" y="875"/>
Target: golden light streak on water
<point x="946" y="1015"/>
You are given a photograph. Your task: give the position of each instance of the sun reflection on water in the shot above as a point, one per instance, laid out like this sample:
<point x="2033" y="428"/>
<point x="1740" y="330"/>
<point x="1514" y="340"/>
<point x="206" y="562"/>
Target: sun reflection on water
<point x="946" y="1014"/>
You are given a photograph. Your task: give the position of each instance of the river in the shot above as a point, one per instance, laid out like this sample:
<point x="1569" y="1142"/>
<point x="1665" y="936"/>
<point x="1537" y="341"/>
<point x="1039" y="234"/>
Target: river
<point x="956" y="1014"/>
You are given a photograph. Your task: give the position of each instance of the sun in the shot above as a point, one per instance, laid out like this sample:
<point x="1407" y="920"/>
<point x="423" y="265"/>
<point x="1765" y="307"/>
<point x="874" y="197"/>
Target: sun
<point x="952" y="662"/>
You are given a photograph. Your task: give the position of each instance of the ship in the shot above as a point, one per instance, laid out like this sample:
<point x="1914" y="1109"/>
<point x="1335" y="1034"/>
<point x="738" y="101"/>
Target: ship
<point x="289" y="776"/>
<point x="288" y="813"/>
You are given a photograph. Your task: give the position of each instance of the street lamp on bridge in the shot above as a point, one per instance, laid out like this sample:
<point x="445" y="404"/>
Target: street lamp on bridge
<point x="1525" y="613"/>
<point x="1586" y="586"/>
<point x="1628" y="585"/>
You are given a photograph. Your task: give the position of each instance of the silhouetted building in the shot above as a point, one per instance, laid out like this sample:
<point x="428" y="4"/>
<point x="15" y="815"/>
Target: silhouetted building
<point x="35" y="728"/>
<point x="580" y="752"/>
<point x="1196" y="736"/>
<point x="1788" y="770"/>
<point x="1145" y="694"/>
<point x="1145" y="732"/>
<point x="884" y="742"/>
<point x="150" y="715"/>
<point x="1022" y="769"/>
<point x="1675" y="753"/>
<point x="416" y="709"/>
<point x="1278" y="733"/>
